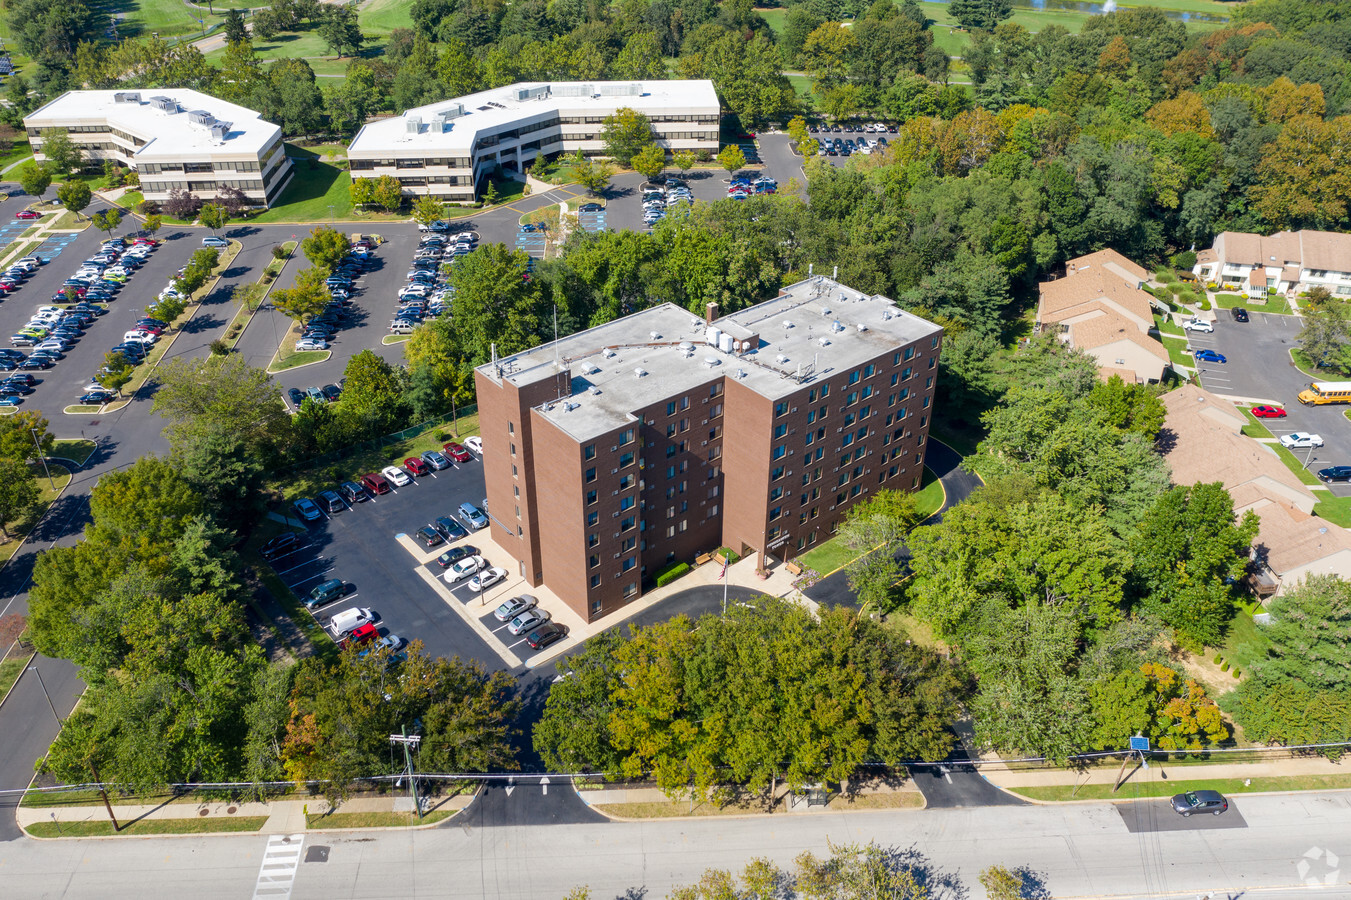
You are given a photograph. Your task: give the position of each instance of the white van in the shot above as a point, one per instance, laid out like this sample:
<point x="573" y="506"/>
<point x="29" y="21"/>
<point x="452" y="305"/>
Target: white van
<point x="348" y="619"/>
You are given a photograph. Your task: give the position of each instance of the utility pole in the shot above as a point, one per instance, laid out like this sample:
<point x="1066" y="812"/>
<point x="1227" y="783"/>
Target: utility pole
<point x="104" y="792"/>
<point x="404" y="739"/>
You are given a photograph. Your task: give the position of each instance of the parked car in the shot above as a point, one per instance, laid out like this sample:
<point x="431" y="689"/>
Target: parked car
<point x="1190" y="802"/>
<point x="472" y="516"/>
<point x="331" y="501"/>
<point x="449" y="528"/>
<point x="375" y="484"/>
<point x="546" y="634"/>
<point x="1335" y="473"/>
<point x="416" y="466"/>
<point x="352" y="492"/>
<point x="1268" y="412"/>
<point x="1301" y="440"/>
<point x="1198" y="325"/>
<point x="436" y="460"/>
<point x="325" y="593"/>
<point x="463" y="568"/>
<point x="308" y="510"/>
<point x="429" y="537"/>
<point x="331" y="392"/>
<point x="457" y="452"/>
<point x="96" y="398"/>
<point x="214" y="241"/>
<point x="397" y="476"/>
<point x="487" y="578"/>
<point x="27" y="214"/>
<point x="474" y="443"/>
<point x="1207" y="355"/>
<point x="527" y="621"/>
<point x="1239" y="313"/>
<point x="296" y="396"/>
<point x="514" y="607"/>
<point x="282" y="544"/>
<point x="362" y="634"/>
<point x="313" y="343"/>
<point x="455" y="554"/>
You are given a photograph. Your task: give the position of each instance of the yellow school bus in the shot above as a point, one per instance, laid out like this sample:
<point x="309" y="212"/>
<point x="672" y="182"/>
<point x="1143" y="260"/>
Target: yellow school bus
<point x="1321" y="392"/>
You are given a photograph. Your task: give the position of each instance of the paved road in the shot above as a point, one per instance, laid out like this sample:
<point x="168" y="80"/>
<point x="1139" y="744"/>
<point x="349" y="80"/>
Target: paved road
<point x="1079" y="850"/>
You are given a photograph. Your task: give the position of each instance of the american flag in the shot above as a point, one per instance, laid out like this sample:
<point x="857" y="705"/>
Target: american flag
<point x="724" y="569"/>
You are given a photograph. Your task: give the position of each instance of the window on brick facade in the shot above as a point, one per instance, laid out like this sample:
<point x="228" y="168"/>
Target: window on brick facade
<point x="626" y="437"/>
<point x="589" y="451"/>
<point x="595" y="583"/>
<point x="780" y="409"/>
<point x="592" y="518"/>
<point x="592" y="540"/>
<point x="626" y="459"/>
<point x="590" y="497"/>
<point x="590" y="475"/>
<point x="593" y="560"/>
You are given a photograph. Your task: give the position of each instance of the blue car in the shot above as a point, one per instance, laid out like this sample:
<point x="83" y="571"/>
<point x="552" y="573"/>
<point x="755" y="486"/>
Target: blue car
<point x="1209" y="356"/>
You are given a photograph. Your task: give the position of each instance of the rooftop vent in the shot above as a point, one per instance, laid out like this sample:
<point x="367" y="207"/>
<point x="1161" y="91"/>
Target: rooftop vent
<point x="696" y="323"/>
<point x="712" y="361"/>
<point x="570" y="406"/>
<point x="591" y="370"/>
<point x="686" y="346"/>
<point x="127" y="97"/>
<point x="164" y="104"/>
<point x="781" y="359"/>
<point x="609" y="354"/>
<point x="640" y="372"/>
<point x="595" y="391"/>
<point x="201" y="117"/>
<point x="413" y="124"/>
<point x="220" y="130"/>
<point x="886" y="315"/>
<point x="825" y="310"/>
<point x="824" y="342"/>
<point x="787" y="324"/>
<point x="654" y="335"/>
<point x="862" y="327"/>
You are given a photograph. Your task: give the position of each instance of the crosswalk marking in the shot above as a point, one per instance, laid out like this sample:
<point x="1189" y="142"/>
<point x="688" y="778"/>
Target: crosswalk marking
<point x="277" y="874"/>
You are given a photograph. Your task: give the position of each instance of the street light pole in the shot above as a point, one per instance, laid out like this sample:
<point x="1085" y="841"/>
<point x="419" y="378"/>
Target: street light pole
<point x="38" y="447"/>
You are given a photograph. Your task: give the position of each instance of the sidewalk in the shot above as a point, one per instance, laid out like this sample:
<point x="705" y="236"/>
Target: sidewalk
<point x="283" y="816"/>
<point x="1002" y="776"/>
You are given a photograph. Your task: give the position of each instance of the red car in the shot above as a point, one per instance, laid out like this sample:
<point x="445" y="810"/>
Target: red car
<point x="456" y="452"/>
<point x="145" y="241"/>
<point x="1268" y="412"/>
<point x="27" y="214"/>
<point x="362" y="634"/>
<point x="415" y="465"/>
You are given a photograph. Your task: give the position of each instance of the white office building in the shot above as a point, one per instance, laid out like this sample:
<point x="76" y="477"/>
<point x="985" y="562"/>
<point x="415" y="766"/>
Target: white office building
<point x="175" y="139"/>
<point x="444" y="149"/>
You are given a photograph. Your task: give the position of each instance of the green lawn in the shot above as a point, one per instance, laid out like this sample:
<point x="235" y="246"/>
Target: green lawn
<point x="49" y="491"/>
<point x="775" y="18"/>
<point x="1166" y="325"/>
<point x="1336" y="510"/>
<point x="929" y="497"/>
<point x="12" y="667"/>
<point x="827" y="556"/>
<point x="1177" y="352"/>
<point x="1294" y="464"/>
<point x="1132" y="789"/>
<point x="146" y="826"/>
<point x="72" y="449"/>
<point x="1314" y="373"/>
<point x="1277" y="304"/>
<point x="803" y="85"/>
<point x="1254" y="428"/>
<point x="289" y="359"/>
<point x="1244" y="642"/>
<point x="317" y="192"/>
<point x="376" y="819"/>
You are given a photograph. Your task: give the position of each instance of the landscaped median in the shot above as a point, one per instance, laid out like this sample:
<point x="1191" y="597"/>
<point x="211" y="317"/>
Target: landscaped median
<point x="266" y="281"/>
<point x="648" y="802"/>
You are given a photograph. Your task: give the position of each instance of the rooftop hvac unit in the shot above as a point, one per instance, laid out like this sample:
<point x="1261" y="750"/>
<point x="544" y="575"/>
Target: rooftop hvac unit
<point x="609" y="353"/>
<point x="573" y="89"/>
<point x="630" y="89"/>
<point x="654" y="335"/>
<point x="127" y="97"/>
<point x="696" y="323"/>
<point x="220" y="130"/>
<point x="862" y="327"/>
<point x="570" y="406"/>
<point x="787" y="324"/>
<point x="413" y="124"/>
<point x="640" y="372"/>
<point x="825" y="310"/>
<point x="781" y="359"/>
<point x="164" y="104"/>
<point x="711" y="336"/>
<point x="201" y="117"/>
<point x="533" y="93"/>
<point x="595" y="391"/>
<point x="725" y="342"/>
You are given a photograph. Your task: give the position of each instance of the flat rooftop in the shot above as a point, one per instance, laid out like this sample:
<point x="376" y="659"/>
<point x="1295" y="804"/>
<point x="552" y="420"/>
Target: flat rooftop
<point x="499" y="108"/>
<point x="814" y="329"/>
<point x="168" y="125"/>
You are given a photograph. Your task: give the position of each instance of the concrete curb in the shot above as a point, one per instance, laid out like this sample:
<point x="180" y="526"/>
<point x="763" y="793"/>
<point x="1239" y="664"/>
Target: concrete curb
<point x="11" y="688"/>
<point x="1125" y="800"/>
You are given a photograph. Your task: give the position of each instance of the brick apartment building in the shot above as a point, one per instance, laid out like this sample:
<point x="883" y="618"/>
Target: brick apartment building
<point x="653" y="438"/>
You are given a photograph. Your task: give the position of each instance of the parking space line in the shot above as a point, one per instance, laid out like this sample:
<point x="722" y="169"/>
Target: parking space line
<point x="301" y="566"/>
<point x="479" y="628"/>
<point x="320" y="574"/>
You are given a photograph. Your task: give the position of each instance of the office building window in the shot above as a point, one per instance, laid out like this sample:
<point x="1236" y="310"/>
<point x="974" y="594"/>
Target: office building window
<point x="590" y="474"/>
<point x="590" y="497"/>
<point x="592" y="518"/>
<point x="595" y="583"/>
<point x="626" y="437"/>
<point x="780" y="409"/>
<point x="593" y="560"/>
<point x="626" y="503"/>
<point x="626" y="459"/>
<point x="589" y="451"/>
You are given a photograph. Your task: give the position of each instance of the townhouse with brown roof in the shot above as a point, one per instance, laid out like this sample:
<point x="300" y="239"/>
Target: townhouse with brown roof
<point x="1099" y="307"/>
<point x="1202" y="440"/>
<point x="1286" y="262"/>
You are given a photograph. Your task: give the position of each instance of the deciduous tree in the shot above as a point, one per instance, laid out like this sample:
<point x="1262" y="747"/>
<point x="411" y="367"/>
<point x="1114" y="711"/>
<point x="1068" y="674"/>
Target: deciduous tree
<point x="625" y="133"/>
<point x="305" y="299"/>
<point x="34" y="179"/>
<point x="325" y="248"/>
<point x="649" y="161"/>
<point x="75" y="196"/>
<point x="212" y="216"/>
<point x="18" y="494"/>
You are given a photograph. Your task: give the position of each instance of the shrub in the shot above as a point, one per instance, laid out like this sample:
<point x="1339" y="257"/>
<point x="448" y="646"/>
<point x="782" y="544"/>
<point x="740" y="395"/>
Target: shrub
<point x="219" y="347"/>
<point x="1236" y="673"/>
<point x="1205" y="303"/>
<point x="728" y="554"/>
<point x="148" y="207"/>
<point x="1174" y="288"/>
<point x="266" y="278"/>
<point x="279" y="252"/>
<point x="1224" y="666"/>
<point x="671" y="573"/>
<point x="1218" y="659"/>
<point x="1184" y="260"/>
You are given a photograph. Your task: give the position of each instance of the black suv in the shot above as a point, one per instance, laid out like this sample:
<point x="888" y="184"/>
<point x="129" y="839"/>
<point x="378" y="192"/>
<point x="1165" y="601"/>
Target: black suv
<point x="354" y="492"/>
<point x="1239" y="313"/>
<point x="281" y="545"/>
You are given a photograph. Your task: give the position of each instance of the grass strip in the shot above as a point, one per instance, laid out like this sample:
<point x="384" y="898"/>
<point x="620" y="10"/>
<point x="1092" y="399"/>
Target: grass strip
<point x="376" y="819"/>
<point x="1254" y="428"/>
<point x="74" y="449"/>
<point x="12" y="667"/>
<point x="394" y="338"/>
<point x="1131" y="790"/>
<point x="244" y="316"/>
<point x="1336" y="510"/>
<point x="146" y="827"/>
<point x="319" y="638"/>
<point x="1294" y="465"/>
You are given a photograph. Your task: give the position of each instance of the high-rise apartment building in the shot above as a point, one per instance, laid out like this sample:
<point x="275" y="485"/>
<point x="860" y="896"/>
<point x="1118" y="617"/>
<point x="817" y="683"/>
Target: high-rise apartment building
<point x="612" y="452"/>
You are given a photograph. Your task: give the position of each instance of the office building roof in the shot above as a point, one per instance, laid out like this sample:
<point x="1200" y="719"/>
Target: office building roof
<point x="812" y="330"/>
<point x="175" y="122"/>
<point x="452" y="126"/>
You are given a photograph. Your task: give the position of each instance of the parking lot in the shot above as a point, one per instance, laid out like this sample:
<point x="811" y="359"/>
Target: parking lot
<point x="370" y="546"/>
<point x="61" y="385"/>
<point x="1258" y="370"/>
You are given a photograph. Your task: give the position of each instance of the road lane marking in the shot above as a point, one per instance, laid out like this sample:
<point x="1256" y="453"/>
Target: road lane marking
<point x="281" y="860"/>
